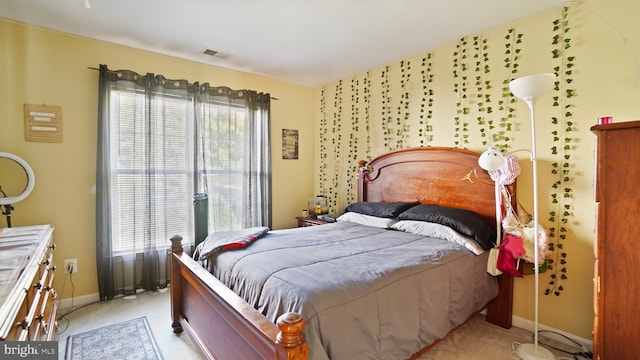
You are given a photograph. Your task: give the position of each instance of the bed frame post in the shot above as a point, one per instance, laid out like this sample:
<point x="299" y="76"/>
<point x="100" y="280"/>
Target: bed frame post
<point x="291" y="336"/>
<point x="363" y="171"/>
<point x="499" y="310"/>
<point x="176" y="303"/>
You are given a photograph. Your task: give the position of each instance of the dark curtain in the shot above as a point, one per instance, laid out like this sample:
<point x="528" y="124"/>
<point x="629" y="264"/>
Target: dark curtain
<point x="161" y="141"/>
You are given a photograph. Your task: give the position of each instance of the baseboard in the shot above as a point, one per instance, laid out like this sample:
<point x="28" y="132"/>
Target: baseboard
<point x="69" y="303"/>
<point x="529" y="326"/>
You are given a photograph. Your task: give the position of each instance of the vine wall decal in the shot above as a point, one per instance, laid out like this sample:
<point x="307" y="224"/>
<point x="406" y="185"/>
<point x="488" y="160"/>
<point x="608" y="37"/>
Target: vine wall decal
<point x="337" y="149"/>
<point x="460" y="68"/>
<point x="403" y="109"/>
<point x="385" y="110"/>
<point x="367" y="112"/>
<point x="352" y="159"/>
<point x="322" y="176"/>
<point x="512" y="49"/>
<point x="425" y="131"/>
<point x="563" y="127"/>
<point x="483" y="88"/>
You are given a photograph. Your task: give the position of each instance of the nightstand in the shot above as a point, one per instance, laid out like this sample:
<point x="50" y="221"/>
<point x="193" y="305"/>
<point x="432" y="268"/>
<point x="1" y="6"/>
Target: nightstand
<point x="309" y="221"/>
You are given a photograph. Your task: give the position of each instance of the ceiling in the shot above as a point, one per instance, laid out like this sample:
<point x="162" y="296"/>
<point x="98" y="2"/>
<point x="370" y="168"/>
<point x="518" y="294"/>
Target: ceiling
<point x="304" y="42"/>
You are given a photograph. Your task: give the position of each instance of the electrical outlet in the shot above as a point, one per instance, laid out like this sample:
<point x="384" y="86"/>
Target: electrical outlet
<point x="71" y="266"/>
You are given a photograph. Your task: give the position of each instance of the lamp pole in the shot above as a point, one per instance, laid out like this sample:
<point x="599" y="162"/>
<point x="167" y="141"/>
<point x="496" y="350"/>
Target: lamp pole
<point x="528" y="88"/>
<point x="534" y="163"/>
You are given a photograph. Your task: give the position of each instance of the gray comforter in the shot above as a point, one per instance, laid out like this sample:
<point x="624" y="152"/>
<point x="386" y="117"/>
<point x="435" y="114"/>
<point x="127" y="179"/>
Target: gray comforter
<point x="365" y="292"/>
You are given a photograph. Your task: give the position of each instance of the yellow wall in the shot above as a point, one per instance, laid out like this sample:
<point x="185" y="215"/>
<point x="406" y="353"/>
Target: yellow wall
<point x="606" y="84"/>
<point x="44" y="67"/>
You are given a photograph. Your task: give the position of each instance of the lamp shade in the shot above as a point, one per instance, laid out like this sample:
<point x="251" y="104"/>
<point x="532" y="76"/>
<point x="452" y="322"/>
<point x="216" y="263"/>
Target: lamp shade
<point x="491" y="159"/>
<point x="531" y="86"/>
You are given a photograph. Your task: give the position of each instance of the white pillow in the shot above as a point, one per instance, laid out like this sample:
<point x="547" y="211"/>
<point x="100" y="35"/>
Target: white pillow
<point x="368" y="220"/>
<point x="438" y="231"/>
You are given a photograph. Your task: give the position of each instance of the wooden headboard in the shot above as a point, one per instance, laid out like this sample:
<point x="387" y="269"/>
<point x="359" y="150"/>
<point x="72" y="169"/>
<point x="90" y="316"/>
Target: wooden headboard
<point x="443" y="176"/>
<point x="435" y="175"/>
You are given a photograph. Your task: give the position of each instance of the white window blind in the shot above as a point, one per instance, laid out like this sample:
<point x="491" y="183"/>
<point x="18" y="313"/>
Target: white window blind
<point x="151" y="164"/>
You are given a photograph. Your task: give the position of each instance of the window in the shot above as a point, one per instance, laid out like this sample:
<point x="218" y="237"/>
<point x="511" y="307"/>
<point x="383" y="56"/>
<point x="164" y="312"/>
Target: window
<point x="160" y="142"/>
<point x="151" y="176"/>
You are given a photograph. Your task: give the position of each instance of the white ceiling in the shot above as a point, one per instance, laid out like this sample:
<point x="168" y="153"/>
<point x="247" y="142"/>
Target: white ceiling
<point x="303" y="42"/>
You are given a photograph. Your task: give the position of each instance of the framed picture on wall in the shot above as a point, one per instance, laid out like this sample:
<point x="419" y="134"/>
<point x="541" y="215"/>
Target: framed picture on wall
<point x="289" y="144"/>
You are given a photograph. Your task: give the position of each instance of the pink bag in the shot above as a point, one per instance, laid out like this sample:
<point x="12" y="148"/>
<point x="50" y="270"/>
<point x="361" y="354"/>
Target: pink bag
<point x="510" y="250"/>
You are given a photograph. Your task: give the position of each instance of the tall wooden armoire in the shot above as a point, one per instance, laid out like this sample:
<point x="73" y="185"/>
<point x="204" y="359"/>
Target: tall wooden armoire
<point x="617" y="246"/>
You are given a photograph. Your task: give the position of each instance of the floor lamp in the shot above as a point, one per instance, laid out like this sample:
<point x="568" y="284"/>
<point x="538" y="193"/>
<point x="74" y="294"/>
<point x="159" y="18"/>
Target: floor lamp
<point x="527" y="88"/>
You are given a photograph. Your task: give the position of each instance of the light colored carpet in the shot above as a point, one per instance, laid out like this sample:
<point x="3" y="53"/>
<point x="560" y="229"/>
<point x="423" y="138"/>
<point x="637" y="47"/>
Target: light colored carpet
<point x="154" y="306"/>
<point x="475" y="340"/>
<point x="479" y="340"/>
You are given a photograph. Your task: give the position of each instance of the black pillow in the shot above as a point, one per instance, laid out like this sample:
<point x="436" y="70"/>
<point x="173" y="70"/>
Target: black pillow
<point x="463" y="221"/>
<point x="380" y="209"/>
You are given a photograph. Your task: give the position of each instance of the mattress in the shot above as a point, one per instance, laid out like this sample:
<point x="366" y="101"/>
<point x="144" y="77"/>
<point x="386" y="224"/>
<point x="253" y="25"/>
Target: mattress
<point x="364" y="292"/>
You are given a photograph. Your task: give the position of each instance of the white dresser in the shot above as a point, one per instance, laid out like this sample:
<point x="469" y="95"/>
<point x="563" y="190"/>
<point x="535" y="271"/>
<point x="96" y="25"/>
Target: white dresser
<point x="28" y="309"/>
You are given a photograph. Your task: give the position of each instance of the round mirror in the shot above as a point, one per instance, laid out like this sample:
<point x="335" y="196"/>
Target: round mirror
<point x="16" y="179"/>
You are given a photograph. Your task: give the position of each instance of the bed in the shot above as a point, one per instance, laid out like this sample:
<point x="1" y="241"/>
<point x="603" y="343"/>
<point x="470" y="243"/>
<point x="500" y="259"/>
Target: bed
<point x="338" y="324"/>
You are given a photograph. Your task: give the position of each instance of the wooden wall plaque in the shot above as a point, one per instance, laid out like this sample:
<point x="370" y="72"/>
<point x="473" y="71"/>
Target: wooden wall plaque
<point x="289" y="144"/>
<point x="42" y="123"/>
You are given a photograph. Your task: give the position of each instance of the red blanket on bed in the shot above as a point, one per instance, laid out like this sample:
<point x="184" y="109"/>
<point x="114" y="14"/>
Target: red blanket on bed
<point x="228" y="240"/>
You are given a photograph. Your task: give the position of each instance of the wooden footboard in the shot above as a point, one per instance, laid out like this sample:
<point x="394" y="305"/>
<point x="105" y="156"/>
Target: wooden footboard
<point x="221" y="324"/>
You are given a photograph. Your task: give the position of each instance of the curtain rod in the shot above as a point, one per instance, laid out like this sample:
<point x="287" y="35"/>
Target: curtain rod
<point x="92" y="68"/>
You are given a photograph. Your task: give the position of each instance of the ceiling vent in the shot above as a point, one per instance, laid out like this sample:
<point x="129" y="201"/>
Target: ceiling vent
<point x="209" y="52"/>
<point x="215" y="54"/>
